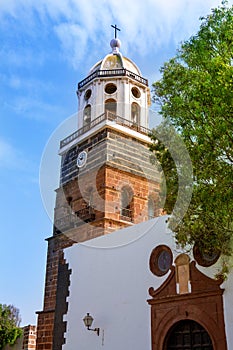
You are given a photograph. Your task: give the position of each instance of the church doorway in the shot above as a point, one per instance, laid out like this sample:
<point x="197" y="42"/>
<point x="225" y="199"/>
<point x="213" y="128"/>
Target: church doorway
<point x="187" y="335"/>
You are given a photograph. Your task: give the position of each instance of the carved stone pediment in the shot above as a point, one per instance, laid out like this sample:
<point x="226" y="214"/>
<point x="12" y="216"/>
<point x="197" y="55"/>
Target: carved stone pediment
<point x="198" y="298"/>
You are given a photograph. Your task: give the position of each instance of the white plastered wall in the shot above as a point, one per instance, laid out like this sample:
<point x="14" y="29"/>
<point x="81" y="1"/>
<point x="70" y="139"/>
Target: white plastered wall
<point x="110" y="280"/>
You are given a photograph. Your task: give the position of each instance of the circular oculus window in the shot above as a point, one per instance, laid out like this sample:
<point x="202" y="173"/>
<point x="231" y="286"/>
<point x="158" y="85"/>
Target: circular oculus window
<point x="205" y="258"/>
<point x="110" y="88"/>
<point x="87" y="94"/>
<point x="136" y="92"/>
<point x="160" y="260"/>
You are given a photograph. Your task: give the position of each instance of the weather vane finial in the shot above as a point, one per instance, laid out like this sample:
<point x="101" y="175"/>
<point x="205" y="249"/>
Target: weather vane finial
<point x="115" y="27"/>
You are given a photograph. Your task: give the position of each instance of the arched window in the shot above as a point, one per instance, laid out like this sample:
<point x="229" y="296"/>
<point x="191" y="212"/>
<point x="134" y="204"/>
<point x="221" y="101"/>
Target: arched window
<point x="126" y="203"/>
<point x="135" y="113"/>
<point x="111" y="106"/>
<point x="151" y="208"/>
<point x="87" y="115"/>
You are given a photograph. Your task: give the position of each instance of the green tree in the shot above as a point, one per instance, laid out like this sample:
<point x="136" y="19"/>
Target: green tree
<point x="195" y="95"/>
<point x="9" y="325"/>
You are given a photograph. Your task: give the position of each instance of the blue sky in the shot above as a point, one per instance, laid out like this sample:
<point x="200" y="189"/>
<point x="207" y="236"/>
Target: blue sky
<point x="47" y="47"/>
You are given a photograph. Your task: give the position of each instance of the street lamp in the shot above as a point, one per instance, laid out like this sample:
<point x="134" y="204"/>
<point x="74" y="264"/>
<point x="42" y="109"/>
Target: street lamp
<point x="88" y="319"/>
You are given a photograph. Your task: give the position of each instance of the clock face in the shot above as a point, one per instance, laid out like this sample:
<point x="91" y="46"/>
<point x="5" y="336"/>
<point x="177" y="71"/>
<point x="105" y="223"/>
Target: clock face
<point x="82" y="158"/>
<point x="160" y="260"/>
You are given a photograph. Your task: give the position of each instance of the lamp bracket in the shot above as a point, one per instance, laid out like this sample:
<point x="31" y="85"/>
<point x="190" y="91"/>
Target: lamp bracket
<point x="97" y="330"/>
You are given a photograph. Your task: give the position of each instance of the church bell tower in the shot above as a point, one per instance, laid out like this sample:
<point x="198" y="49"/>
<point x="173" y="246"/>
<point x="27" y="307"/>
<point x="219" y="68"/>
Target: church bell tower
<point x="107" y="181"/>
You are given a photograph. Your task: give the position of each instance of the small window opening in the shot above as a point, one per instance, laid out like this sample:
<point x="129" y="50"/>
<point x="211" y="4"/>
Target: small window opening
<point x="126" y="202"/>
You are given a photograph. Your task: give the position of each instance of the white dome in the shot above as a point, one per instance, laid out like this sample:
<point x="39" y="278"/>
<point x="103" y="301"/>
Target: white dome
<point x="116" y="61"/>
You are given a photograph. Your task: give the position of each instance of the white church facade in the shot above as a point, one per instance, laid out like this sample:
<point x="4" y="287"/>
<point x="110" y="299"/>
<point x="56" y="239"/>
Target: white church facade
<point x="135" y="308"/>
<point x="111" y="255"/>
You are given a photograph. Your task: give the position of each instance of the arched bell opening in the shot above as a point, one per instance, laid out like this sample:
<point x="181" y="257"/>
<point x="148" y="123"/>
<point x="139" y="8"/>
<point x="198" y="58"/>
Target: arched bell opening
<point x="111" y="106"/>
<point x="135" y="113"/>
<point x="87" y="115"/>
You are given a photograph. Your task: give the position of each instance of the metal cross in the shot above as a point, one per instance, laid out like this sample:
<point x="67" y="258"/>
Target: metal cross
<point x="115" y="27"/>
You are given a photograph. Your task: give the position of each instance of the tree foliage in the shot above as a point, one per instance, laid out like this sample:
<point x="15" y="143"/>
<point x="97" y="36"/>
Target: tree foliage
<point x="9" y="325"/>
<point x="195" y="94"/>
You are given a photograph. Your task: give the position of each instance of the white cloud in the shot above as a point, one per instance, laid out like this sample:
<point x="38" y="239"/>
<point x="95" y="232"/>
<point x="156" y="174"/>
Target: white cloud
<point x="36" y="109"/>
<point x="70" y="35"/>
<point x="146" y="25"/>
<point x="27" y="100"/>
